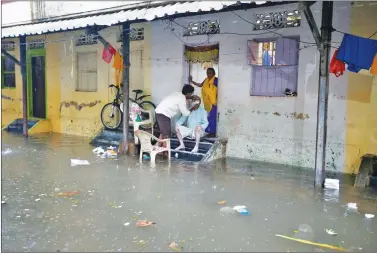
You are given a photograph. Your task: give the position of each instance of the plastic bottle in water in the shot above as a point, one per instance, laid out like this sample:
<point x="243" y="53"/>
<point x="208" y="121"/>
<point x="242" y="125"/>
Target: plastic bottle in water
<point x="243" y="211"/>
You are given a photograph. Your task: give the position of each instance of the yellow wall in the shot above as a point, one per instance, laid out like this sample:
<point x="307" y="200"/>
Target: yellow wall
<point x="86" y="121"/>
<point x="361" y="136"/>
<point x="11" y="106"/>
<point x="70" y="111"/>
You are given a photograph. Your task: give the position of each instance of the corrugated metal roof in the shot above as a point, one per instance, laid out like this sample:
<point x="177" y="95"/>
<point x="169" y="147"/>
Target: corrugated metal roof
<point x="146" y="13"/>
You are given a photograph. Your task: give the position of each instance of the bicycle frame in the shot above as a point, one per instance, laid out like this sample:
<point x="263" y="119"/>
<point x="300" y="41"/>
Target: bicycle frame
<point x="118" y="96"/>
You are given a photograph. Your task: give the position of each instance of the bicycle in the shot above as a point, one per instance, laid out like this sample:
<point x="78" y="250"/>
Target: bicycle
<point x="115" y="112"/>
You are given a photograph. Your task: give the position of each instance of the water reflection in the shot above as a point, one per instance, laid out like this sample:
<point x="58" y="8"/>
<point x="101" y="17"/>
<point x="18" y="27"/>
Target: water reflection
<point x="180" y="197"/>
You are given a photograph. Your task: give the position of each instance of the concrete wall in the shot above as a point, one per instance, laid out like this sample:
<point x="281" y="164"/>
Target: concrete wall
<point x="361" y="122"/>
<point x="280" y="130"/>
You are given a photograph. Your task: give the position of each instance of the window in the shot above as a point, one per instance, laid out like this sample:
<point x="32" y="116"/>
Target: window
<point x="87" y="71"/>
<point x="202" y="27"/>
<point x="274" y="66"/>
<point x="275" y="20"/>
<point x="8" y="76"/>
<point x="84" y="40"/>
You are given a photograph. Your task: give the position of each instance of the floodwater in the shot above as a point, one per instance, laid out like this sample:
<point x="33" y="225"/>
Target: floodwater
<point x="181" y="198"/>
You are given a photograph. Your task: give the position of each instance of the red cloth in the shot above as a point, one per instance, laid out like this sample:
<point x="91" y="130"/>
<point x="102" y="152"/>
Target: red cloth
<point x="107" y="53"/>
<point x="337" y="67"/>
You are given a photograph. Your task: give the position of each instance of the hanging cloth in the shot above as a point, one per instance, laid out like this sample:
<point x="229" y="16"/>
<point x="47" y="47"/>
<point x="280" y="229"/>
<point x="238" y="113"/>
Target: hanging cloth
<point x="337" y="67"/>
<point x="373" y="68"/>
<point x="118" y="68"/>
<point x="357" y="52"/>
<point x="107" y="53"/>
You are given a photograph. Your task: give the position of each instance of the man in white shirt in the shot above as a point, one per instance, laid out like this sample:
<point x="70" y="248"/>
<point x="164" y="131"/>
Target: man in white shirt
<point x="170" y="107"/>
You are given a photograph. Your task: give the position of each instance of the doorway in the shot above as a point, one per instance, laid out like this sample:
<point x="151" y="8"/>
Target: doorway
<point x="36" y="67"/>
<point x="197" y="60"/>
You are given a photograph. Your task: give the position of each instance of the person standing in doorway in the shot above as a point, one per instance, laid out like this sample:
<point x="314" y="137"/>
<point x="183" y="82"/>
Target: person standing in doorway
<point x="209" y="97"/>
<point x="170" y="106"/>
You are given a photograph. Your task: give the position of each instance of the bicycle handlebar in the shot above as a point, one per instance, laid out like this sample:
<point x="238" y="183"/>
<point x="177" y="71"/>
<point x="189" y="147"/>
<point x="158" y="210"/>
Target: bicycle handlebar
<point x="112" y="85"/>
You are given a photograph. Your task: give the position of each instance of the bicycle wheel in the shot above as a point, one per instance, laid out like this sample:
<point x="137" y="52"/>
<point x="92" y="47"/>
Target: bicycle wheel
<point x="111" y="116"/>
<point x="147" y="105"/>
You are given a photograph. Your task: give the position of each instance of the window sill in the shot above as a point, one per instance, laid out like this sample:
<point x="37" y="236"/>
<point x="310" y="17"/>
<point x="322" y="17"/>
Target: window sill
<point x="266" y="96"/>
<point x="92" y="91"/>
<point x="8" y="88"/>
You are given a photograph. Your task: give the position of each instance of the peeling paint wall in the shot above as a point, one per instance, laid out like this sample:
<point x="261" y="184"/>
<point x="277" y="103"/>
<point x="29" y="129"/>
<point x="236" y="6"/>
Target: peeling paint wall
<point x="80" y="111"/>
<point x="70" y="111"/>
<point x="272" y="129"/>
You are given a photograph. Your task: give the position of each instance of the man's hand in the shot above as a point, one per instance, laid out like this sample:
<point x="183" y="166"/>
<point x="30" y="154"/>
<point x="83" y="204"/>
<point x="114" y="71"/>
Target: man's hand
<point x="190" y="79"/>
<point x="198" y="128"/>
<point x="194" y="108"/>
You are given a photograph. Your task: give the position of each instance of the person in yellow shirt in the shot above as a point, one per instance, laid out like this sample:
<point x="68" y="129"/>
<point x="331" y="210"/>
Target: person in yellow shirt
<point x="209" y="97"/>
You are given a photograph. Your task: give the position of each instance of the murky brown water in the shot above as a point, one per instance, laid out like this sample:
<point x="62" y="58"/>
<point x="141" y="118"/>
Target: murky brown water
<point x="181" y="199"/>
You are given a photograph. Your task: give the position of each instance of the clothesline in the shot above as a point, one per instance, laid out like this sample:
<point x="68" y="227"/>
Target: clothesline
<point x="357" y="52"/>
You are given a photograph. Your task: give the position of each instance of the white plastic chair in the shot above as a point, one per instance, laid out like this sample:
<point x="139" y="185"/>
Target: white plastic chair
<point x="146" y="145"/>
<point x="136" y="110"/>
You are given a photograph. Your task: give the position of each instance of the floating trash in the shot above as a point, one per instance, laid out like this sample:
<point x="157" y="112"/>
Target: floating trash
<point x="6" y="151"/>
<point x="369" y="216"/>
<point x="331" y="232"/>
<point x="127" y="224"/>
<point x="77" y="162"/>
<point x="241" y="210"/>
<point x="326" y="246"/>
<point x="146" y="157"/>
<point x="223" y="202"/>
<point x="352" y="206"/>
<point x="144" y="223"/>
<point x="112" y="204"/>
<point x="175" y="246"/>
<point x="67" y="194"/>
<point x="37" y="200"/>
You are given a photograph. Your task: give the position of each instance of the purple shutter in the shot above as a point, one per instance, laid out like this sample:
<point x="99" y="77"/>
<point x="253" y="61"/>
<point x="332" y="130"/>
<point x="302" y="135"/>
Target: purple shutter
<point x="272" y="81"/>
<point x="286" y="51"/>
<point x="257" y="81"/>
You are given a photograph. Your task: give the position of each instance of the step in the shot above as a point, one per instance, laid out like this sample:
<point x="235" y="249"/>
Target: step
<point x="187" y="156"/>
<point x="15" y="128"/>
<point x="190" y="144"/>
<point x="30" y="122"/>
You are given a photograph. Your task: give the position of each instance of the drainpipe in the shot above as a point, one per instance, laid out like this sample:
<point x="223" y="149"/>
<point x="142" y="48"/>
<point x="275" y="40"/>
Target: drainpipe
<point x="323" y="42"/>
<point x="126" y="84"/>
<point x="24" y="83"/>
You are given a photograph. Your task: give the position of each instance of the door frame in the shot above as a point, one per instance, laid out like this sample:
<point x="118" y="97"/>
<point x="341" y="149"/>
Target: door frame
<point x="31" y="53"/>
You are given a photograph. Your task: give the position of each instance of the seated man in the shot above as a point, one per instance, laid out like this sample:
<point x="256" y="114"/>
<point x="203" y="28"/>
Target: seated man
<point x="197" y="122"/>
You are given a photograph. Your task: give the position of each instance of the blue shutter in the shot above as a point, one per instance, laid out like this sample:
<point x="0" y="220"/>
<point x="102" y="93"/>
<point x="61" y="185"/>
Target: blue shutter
<point x="286" y="51"/>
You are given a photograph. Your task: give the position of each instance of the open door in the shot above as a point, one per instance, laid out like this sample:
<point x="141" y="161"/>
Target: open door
<point x="37" y="83"/>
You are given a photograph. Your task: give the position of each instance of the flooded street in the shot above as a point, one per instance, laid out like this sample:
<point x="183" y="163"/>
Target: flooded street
<point x="182" y="199"/>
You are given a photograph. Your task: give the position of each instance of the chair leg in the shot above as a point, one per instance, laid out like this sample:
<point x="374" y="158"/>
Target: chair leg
<point x="141" y="155"/>
<point x="169" y="152"/>
<point x="153" y="157"/>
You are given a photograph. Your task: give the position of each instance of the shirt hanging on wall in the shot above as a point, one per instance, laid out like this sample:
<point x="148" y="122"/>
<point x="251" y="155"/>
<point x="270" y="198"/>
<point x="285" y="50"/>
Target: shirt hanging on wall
<point x="118" y="68"/>
<point x="107" y="53"/>
<point x="337" y="67"/>
<point x="357" y="52"/>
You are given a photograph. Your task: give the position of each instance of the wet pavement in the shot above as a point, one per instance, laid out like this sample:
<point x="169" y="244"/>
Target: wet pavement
<point x="181" y="198"/>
